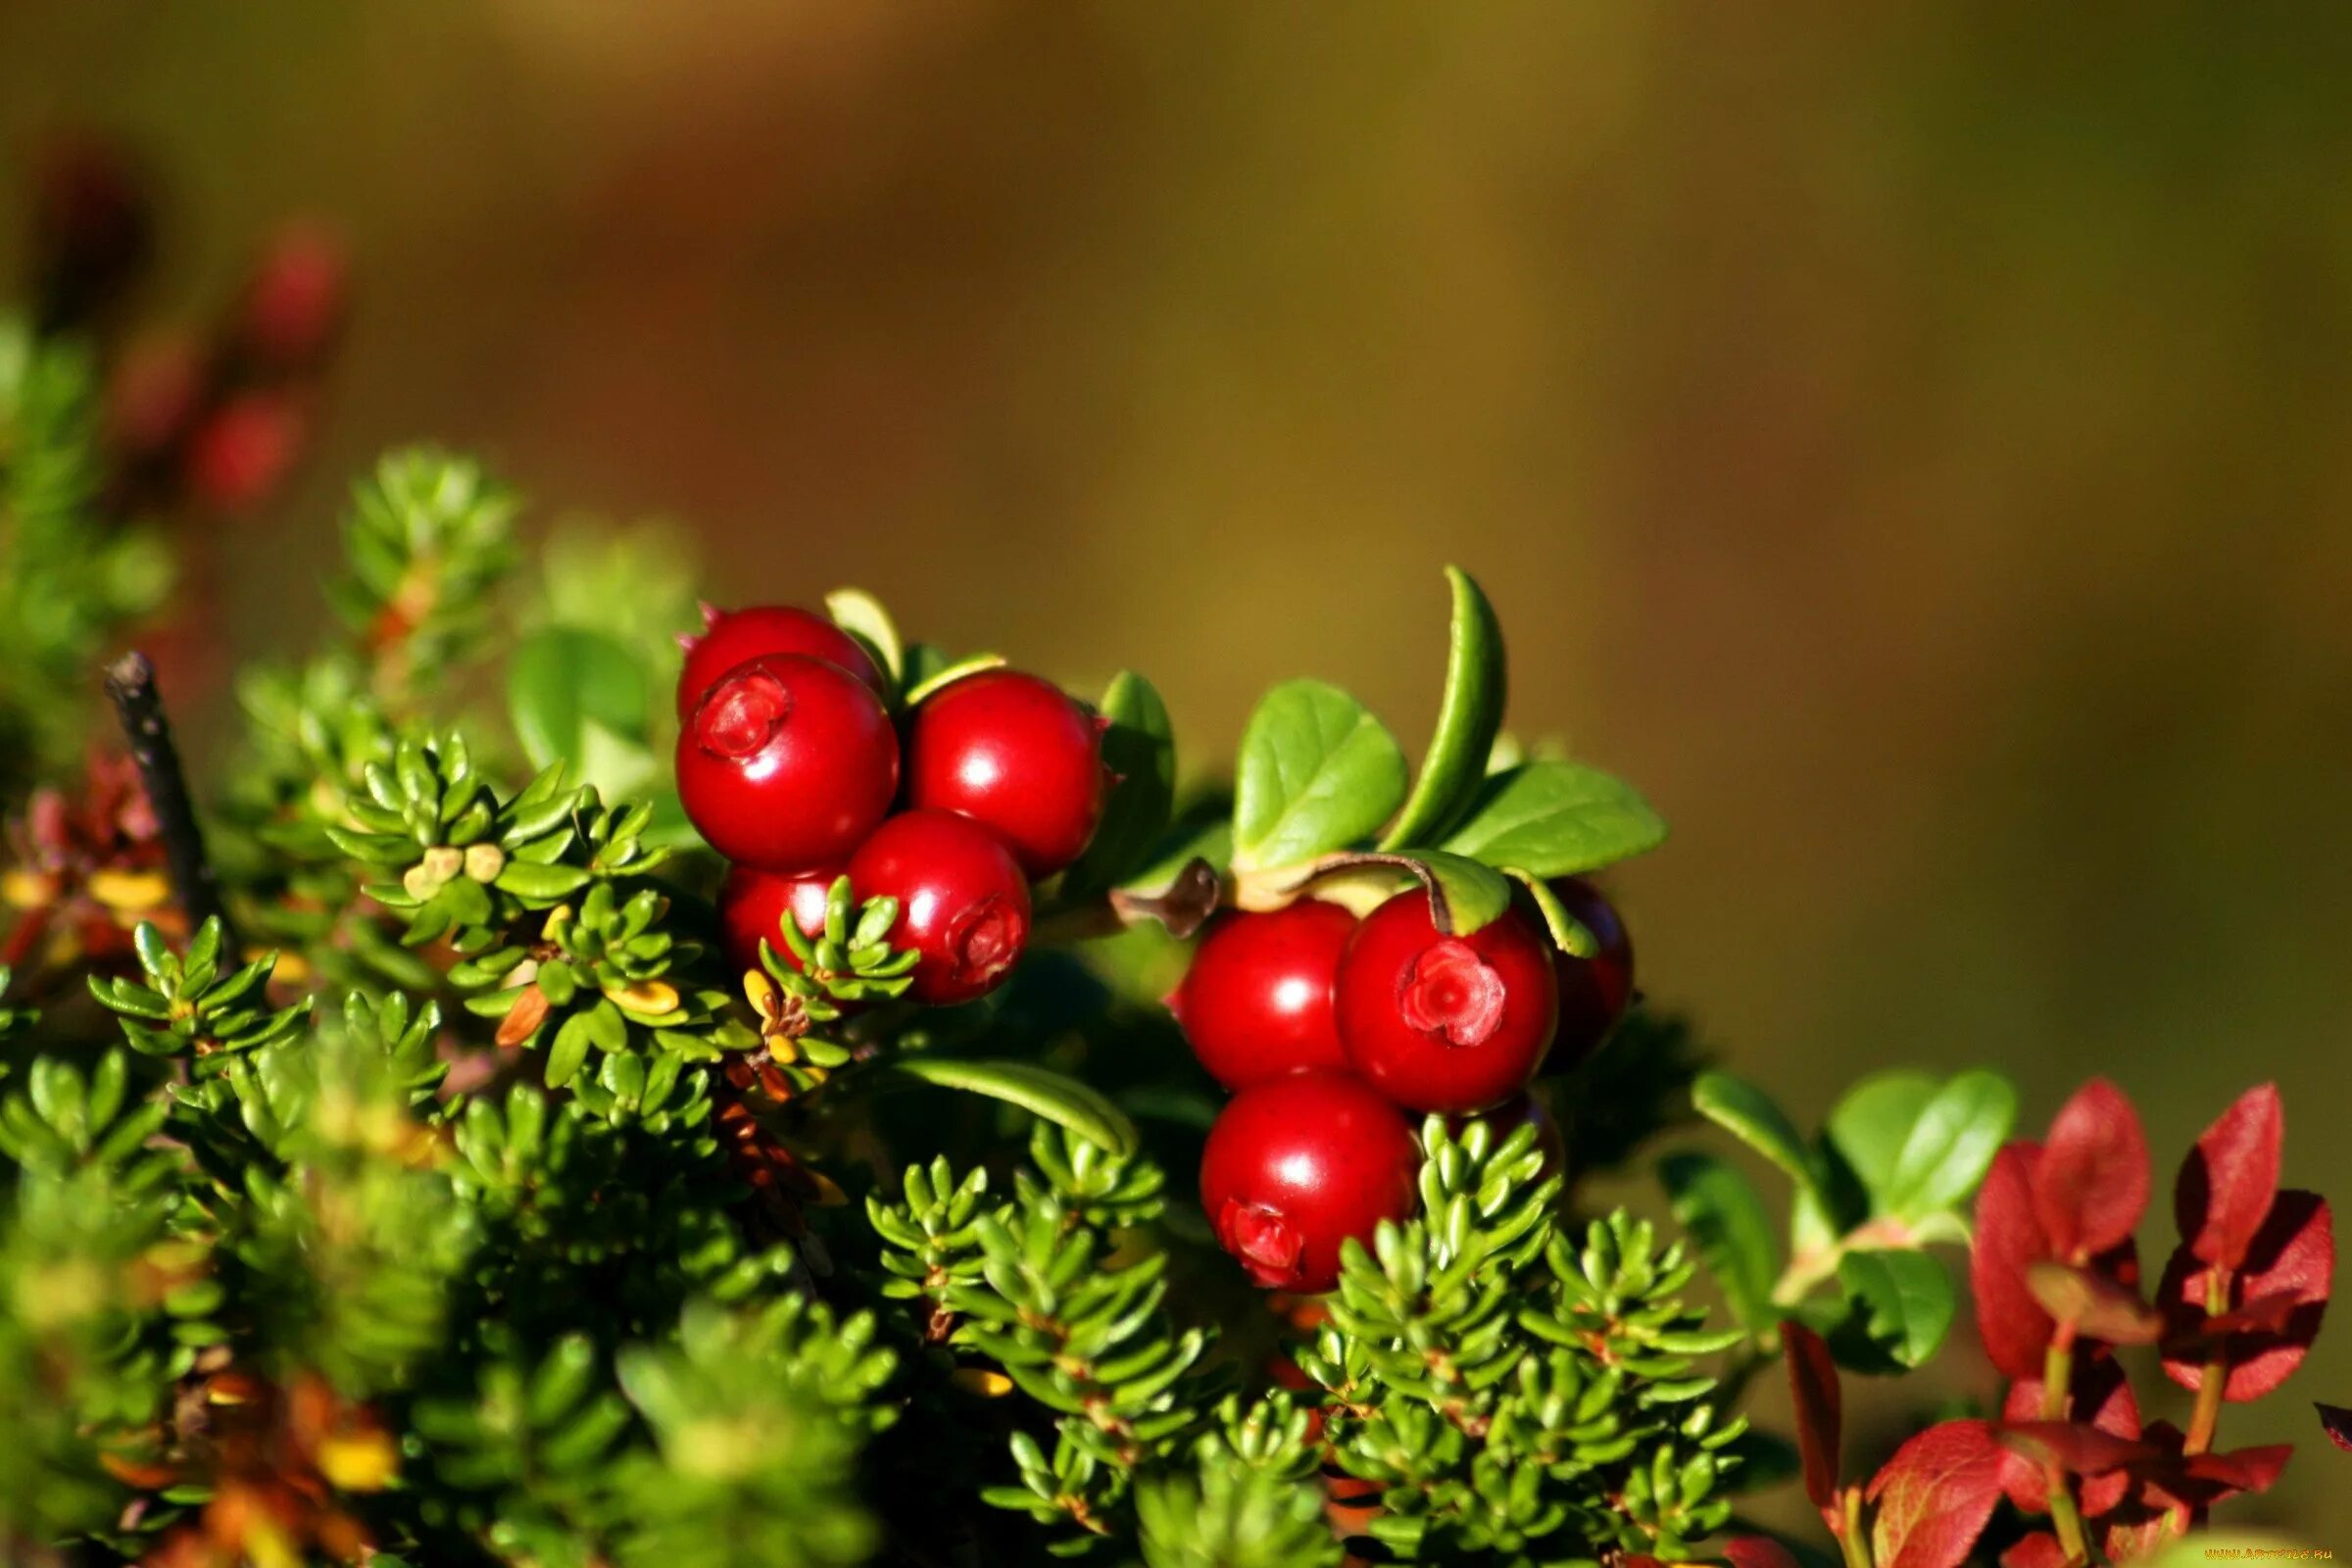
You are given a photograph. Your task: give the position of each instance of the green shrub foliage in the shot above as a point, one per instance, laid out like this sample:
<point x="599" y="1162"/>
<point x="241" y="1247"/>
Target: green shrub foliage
<point x="455" y="1204"/>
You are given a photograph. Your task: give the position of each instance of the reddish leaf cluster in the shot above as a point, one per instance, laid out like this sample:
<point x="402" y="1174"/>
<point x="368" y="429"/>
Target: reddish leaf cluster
<point x="2056" y="1278"/>
<point x="213" y="419"/>
<point x="281" y="1463"/>
<point x="85" y="869"/>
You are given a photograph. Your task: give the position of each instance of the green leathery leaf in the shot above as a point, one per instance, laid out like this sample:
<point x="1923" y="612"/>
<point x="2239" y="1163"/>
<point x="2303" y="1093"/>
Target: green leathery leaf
<point x="1139" y="749"/>
<point x="1750" y="1115"/>
<point x="950" y="674"/>
<point x="1727" y="1222"/>
<point x="561" y="679"/>
<point x="1863" y="1139"/>
<point x="1901" y="1301"/>
<point x="1568" y="932"/>
<point x="861" y="616"/>
<point x="1463" y="895"/>
<point x="1081" y="1108"/>
<point x="1469" y="717"/>
<point x="1952" y="1144"/>
<point x="1552" y="819"/>
<point x="1316" y="772"/>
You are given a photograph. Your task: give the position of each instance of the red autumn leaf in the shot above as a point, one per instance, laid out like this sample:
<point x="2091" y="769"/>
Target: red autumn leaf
<point x="2136" y="1531"/>
<point x="1757" y="1552"/>
<point x="1820" y="1411"/>
<point x="2243" y="1469"/>
<point x="2292" y="1254"/>
<point x="2091" y="1184"/>
<point x="2076" y="1446"/>
<point x="2041" y="1550"/>
<point x="2097" y="1306"/>
<point x="2226" y="1183"/>
<point x="2102" y="1397"/>
<point x="2016" y="1331"/>
<point x="1933" y="1496"/>
<point x="2336" y="1422"/>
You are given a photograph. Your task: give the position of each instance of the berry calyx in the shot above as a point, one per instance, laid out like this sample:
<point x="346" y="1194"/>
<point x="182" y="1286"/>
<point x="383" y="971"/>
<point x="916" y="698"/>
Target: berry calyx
<point x="1017" y="754"/>
<point x="1443" y="1022"/>
<point x="1595" y="992"/>
<point x="729" y="637"/>
<point x="752" y="906"/>
<point x="787" y="763"/>
<point x="1296" y="1166"/>
<point x="1256" y="1000"/>
<point x="963" y="904"/>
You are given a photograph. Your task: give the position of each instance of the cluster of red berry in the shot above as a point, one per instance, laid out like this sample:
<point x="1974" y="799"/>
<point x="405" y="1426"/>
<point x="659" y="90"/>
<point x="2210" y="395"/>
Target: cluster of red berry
<point x="790" y="765"/>
<point x="1328" y="1029"/>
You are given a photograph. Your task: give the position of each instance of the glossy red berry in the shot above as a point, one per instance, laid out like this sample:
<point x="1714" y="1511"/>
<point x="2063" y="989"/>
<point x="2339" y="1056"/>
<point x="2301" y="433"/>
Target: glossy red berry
<point x="1256" y="1002"/>
<point x="963" y="903"/>
<point x="731" y="636"/>
<point x="787" y="763"/>
<point x="1296" y="1166"/>
<point x="1016" y="754"/>
<point x="1513" y="1113"/>
<point x="1447" y="1023"/>
<point x="1594" y="991"/>
<point x="752" y="907"/>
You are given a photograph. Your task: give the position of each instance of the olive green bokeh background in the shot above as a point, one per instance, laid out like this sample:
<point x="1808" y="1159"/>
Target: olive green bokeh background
<point x="1910" y="442"/>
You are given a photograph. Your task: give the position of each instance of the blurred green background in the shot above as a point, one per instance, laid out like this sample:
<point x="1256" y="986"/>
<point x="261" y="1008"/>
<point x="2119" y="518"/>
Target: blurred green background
<point x="1910" y="442"/>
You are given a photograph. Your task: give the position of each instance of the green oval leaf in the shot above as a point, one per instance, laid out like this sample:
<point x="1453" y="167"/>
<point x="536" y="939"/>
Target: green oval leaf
<point x="1551" y="818"/>
<point x="1952" y="1144"/>
<point x="561" y="679"/>
<point x="1749" y="1115"/>
<point x="1139" y="748"/>
<point x="1727" y="1222"/>
<point x="950" y="675"/>
<point x="861" y="616"/>
<point x="1899" y="1306"/>
<point x="1568" y="932"/>
<point x="1082" y="1108"/>
<point x="1468" y="719"/>
<point x="1317" y="772"/>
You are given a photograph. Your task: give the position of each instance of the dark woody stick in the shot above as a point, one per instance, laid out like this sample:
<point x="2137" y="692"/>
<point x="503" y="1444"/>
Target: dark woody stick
<point x="130" y="683"/>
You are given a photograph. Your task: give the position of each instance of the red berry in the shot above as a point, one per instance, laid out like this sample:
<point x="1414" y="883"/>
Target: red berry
<point x="243" y="450"/>
<point x="963" y="903"/>
<point x="1016" y="754"/>
<point x="294" y="302"/>
<point x="751" y="906"/>
<point x="787" y="763"/>
<point x="1296" y="1166"/>
<point x="1508" y="1118"/>
<point x="1595" y="991"/>
<point x="1447" y="1023"/>
<point x="1256" y="1002"/>
<point x="731" y="636"/>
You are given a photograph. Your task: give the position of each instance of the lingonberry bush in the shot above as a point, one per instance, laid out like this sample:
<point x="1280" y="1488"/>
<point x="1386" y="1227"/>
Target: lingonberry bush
<point x="547" y="1102"/>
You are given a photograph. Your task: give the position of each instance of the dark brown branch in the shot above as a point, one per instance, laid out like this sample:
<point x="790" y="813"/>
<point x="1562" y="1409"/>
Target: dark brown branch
<point x="130" y="683"/>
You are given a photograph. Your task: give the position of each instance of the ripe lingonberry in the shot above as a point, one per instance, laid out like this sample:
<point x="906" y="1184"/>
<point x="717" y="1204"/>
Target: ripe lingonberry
<point x="787" y="763"/>
<point x="1017" y="754"/>
<point x="1256" y="1002"/>
<point x="731" y="636"/>
<point x="752" y="904"/>
<point x="1446" y="1023"/>
<point x="1296" y="1166"/>
<point x="963" y="903"/>
<point x="1595" y="991"/>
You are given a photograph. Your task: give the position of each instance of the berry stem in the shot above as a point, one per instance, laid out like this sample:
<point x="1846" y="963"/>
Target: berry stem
<point x="1853" y="1540"/>
<point x="131" y="685"/>
<point x="2057" y="1377"/>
